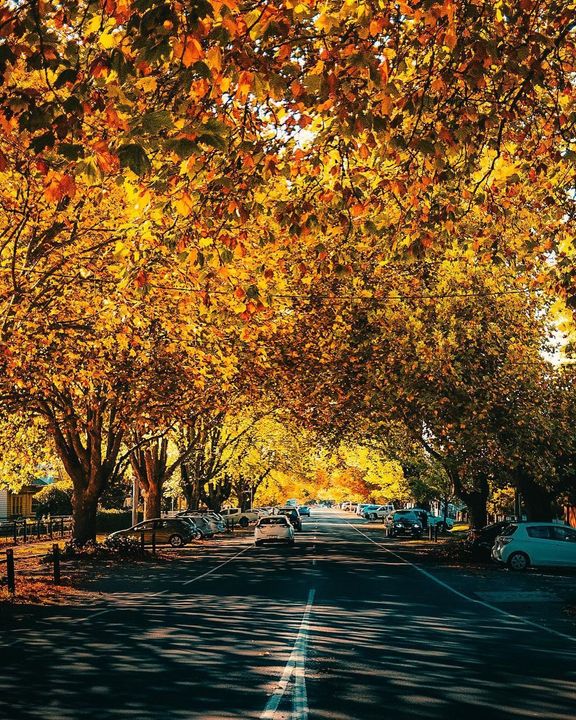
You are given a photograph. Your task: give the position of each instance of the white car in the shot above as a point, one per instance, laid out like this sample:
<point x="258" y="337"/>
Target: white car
<point x="276" y="528"/>
<point x="207" y="523"/>
<point x="376" y="512"/>
<point x="536" y="543"/>
<point x="235" y="516"/>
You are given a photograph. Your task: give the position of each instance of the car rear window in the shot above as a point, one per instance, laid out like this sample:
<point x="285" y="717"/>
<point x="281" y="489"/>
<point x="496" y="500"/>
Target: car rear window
<point x="510" y="530"/>
<point x="274" y="521"/>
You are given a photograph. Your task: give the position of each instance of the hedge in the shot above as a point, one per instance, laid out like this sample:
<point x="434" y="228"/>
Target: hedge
<point x="110" y="520"/>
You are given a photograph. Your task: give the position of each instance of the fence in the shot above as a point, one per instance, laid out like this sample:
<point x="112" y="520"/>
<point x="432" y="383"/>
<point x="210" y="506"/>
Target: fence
<point x="10" y="562"/>
<point x="15" y="531"/>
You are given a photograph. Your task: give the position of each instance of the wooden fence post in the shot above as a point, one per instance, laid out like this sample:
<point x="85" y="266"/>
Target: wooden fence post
<point x="10" y="571"/>
<point x="25" y="530"/>
<point x="56" y="557"/>
<point x="154" y="543"/>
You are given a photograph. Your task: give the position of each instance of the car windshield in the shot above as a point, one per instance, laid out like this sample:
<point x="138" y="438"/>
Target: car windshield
<point x="403" y="514"/>
<point x="273" y="521"/>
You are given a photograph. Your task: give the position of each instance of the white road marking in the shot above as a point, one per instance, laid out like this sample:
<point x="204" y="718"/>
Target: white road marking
<point x="163" y="592"/>
<point x="462" y="595"/>
<point x="296" y="666"/>
<point x="199" y="577"/>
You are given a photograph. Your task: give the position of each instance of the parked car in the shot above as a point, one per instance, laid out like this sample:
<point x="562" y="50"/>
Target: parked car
<point x="405" y="523"/>
<point x="276" y="528"/>
<point x="207" y="525"/>
<point x="293" y="516"/>
<point x="304" y="510"/>
<point x="360" y="508"/>
<point x="481" y="541"/>
<point x="536" y="543"/>
<point x="235" y="516"/>
<point x="376" y="512"/>
<point x="166" y="531"/>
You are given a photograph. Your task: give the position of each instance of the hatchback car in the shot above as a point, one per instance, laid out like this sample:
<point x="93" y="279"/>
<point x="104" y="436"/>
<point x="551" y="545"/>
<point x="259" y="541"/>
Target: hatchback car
<point x="275" y="528"/>
<point x="304" y="510"/>
<point x="536" y="543"/>
<point x="165" y="531"/>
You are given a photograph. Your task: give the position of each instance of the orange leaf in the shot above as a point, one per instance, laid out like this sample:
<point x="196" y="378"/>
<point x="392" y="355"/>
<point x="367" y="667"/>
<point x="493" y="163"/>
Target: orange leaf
<point x="59" y="186"/>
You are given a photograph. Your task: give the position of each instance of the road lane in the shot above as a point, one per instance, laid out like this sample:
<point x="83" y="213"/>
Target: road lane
<point x="381" y="641"/>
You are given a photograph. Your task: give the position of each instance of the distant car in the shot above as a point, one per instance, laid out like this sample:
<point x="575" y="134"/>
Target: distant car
<point x="166" y="531"/>
<point x="207" y="524"/>
<point x="293" y="516"/>
<point x="403" y="523"/>
<point x="536" y="543"/>
<point x="235" y="516"/>
<point x="480" y="542"/>
<point x="360" y="508"/>
<point x="375" y="512"/>
<point x="274" y="528"/>
<point x="304" y="510"/>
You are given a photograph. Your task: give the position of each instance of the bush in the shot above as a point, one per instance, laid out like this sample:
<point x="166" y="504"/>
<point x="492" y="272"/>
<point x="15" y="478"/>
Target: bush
<point x="54" y="499"/>
<point x="109" y="549"/>
<point x="110" y="520"/>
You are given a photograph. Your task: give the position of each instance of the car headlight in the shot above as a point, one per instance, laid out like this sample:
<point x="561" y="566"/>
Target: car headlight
<point x="416" y="525"/>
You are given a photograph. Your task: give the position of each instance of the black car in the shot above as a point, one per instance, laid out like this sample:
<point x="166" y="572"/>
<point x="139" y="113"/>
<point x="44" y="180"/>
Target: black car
<point x="481" y="541"/>
<point x="403" y="523"/>
<point x="293" y="515"/>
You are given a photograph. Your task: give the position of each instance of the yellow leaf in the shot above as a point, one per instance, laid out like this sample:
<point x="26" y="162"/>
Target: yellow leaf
<point x="214" y="59"/>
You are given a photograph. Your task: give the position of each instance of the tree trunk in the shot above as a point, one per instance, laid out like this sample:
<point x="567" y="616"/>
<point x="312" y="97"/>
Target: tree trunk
<point x="153" y="502"/>
<point x="190" y="488"/>
<point x="150" y="466"/>
<point x="476" y="500"/>
<point x="84" y="509"/>
<point x="537" y="501"/>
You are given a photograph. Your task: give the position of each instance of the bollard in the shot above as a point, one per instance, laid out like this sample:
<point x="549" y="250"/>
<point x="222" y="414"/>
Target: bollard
<point x="25" y="530"/>
<point x="142" y="544"/>
<point x="154" y="543"/>
<point x="10" y="571"/>
<point x="56" y="556"/>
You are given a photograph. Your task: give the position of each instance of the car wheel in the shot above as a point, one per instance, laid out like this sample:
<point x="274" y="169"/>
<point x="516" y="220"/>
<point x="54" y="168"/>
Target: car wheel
<point x="176" y="541"/>
<point x="243" y="522"/>
<point x="518" y="561"/>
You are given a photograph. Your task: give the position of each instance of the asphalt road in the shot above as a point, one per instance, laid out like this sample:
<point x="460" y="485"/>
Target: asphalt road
<point x="340" y="627"/>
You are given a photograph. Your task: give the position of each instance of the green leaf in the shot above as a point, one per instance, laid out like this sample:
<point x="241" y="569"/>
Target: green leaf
<point x="215" y="141"/>
<point x="66" y="76"/>
<point x="70" y="151"/>
<point x="154" y="121"/>
<point x="182" y="147"/>
<point x="134" y="156"/>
